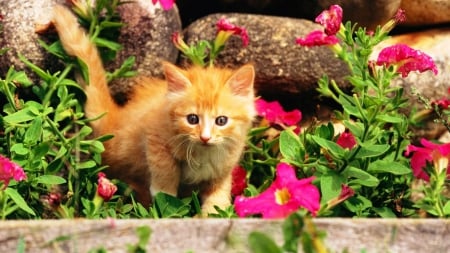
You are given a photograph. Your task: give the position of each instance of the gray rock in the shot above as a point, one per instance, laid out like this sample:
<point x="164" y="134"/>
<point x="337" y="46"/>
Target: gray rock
<point x="282" y="66"/>
<point x="147" y="36"/>
<point x="367" y="14"/>
<point x="19" y="21"/>
<point x="430" y="12"/>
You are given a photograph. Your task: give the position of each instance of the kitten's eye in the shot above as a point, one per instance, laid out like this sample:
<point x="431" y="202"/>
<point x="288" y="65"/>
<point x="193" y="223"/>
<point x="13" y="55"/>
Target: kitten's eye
<point x="192" y="119"/>
<point x="221" y="120"/>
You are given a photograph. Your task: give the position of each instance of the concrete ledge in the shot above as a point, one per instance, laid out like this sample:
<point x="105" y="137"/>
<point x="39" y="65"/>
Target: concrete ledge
<point x="221" y="235"/>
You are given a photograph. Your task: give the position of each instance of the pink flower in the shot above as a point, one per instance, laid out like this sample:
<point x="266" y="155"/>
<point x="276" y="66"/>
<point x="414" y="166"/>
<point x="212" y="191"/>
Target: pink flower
<point x="442" y="103"/>
<point x="105" y="188"/>
<point x="179" y="43"/>
<point x="407" y="59"/>
<point x="400" y="16"/>
<point x="437" y="154"/>
<point x="346" y="193"/>
<point x="317" y="38"/>
<point x="165" y="4"/>
<point x="239" y="180"/>
<point x="10" y="170"/>
<point x="346" y="140"/>
<point x="330" y="19"/>
<point x="275" y="114"/>
<point x="227" y="29"/>
<point x="285" y="196"/>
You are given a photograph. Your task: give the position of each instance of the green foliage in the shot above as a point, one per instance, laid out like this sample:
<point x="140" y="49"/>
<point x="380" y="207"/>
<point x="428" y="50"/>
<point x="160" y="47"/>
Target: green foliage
<point x="372" y="113"/>
<point x="298" y="229"/>
<point x="46" y="133"/>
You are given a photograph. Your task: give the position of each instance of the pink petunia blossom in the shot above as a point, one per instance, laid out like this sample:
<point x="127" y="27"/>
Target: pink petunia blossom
<point x="10" y="170"/>
<point x="330" y="19"/>
<point x="346" y="140"/>
<point x="239" y="180"/>
<point x="105" y="188"/>
<point x="406" y="59"/>
<point x="346" y="193"/>
<point x="317" y="38"/>
<point x="286" y="195"/>
<point x="400" y="16"/>
<point x="437" y="154"/>
<point x="274" y="113"/>
<point x="443" y="103"/>
<point x="165" y="4"/>
<point x="225" y="26"/>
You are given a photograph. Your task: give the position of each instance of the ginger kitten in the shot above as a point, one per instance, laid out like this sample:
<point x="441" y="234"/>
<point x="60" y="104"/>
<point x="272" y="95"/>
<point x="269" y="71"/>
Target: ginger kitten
<point x="176" y="135"/>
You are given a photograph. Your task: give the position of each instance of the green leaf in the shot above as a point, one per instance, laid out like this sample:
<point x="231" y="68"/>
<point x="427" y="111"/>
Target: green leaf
<point x="23" y="115"/>
<point x="372" y="150"/>
<point x="348" y="103"/>
<point x="356" y="128"/>
<point x="50" y="180"/>
<point x="20" y="202"/>
<point x="330" y="185"/>
<point x="382" y="166"/>
<point x="87" y="165"/>
<point x="357" y="204"/>
<point x="34" y="132"/>
<point x="362" y="177"/>
<point x="335" y="150"/>
<point x="447" y="208"/>
<point x="108" y="44"/>
<point x="55" y="165"/>
<point x="384" y="212"/>
<point x="19" y="149"/>
<point x="290" y="146"/>
<point x="170" y="206"/>
<point x="292" y="229"/>
<point x="109" y="24"/>
<point x="41" y="150"/>
<point x="325" y="131"/>
<point x="21" y="77"/>
<point x="389" y="119"/>
<point x="261" y="243"/>
<point x="143" y="233"/>
<point x="41" y="73"/>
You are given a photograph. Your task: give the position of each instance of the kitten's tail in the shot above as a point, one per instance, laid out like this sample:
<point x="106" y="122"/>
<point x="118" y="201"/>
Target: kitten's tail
<point x="77" y="43"/>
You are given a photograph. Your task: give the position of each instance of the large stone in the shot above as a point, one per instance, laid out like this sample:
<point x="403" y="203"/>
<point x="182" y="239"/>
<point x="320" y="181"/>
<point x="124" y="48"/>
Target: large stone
<point x="221" y="235"/>
<point x="429" y="12"/>
<point x="282" y="66"/>
<point x="146" y="36"/>
<point x="367" y="13"/>
<point x="19" y="22"/>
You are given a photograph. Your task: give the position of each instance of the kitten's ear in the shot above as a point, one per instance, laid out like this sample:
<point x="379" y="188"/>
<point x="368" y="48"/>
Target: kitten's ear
<point x="176" y="80"/>
<point x="241" y="82"/>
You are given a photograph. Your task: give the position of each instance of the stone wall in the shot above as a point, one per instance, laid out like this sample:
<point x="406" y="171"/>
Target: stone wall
<point x="221" y="235"/>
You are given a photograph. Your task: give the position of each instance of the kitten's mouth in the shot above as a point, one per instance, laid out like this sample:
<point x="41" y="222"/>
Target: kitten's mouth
<point x="205" y="144"/>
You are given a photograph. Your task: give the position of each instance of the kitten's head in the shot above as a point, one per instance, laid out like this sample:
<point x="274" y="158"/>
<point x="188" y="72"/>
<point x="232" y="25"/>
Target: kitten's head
<point x="211" y="106"/>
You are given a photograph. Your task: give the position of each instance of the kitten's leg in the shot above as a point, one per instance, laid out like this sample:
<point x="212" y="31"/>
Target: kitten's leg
<point x="164" y="170"/>
<point x="165" y="179"/>
<point x="217" y="193"/>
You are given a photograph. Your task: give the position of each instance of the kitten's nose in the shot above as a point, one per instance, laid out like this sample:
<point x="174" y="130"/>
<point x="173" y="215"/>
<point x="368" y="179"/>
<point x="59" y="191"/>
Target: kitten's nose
<point x="205" y="139"/>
